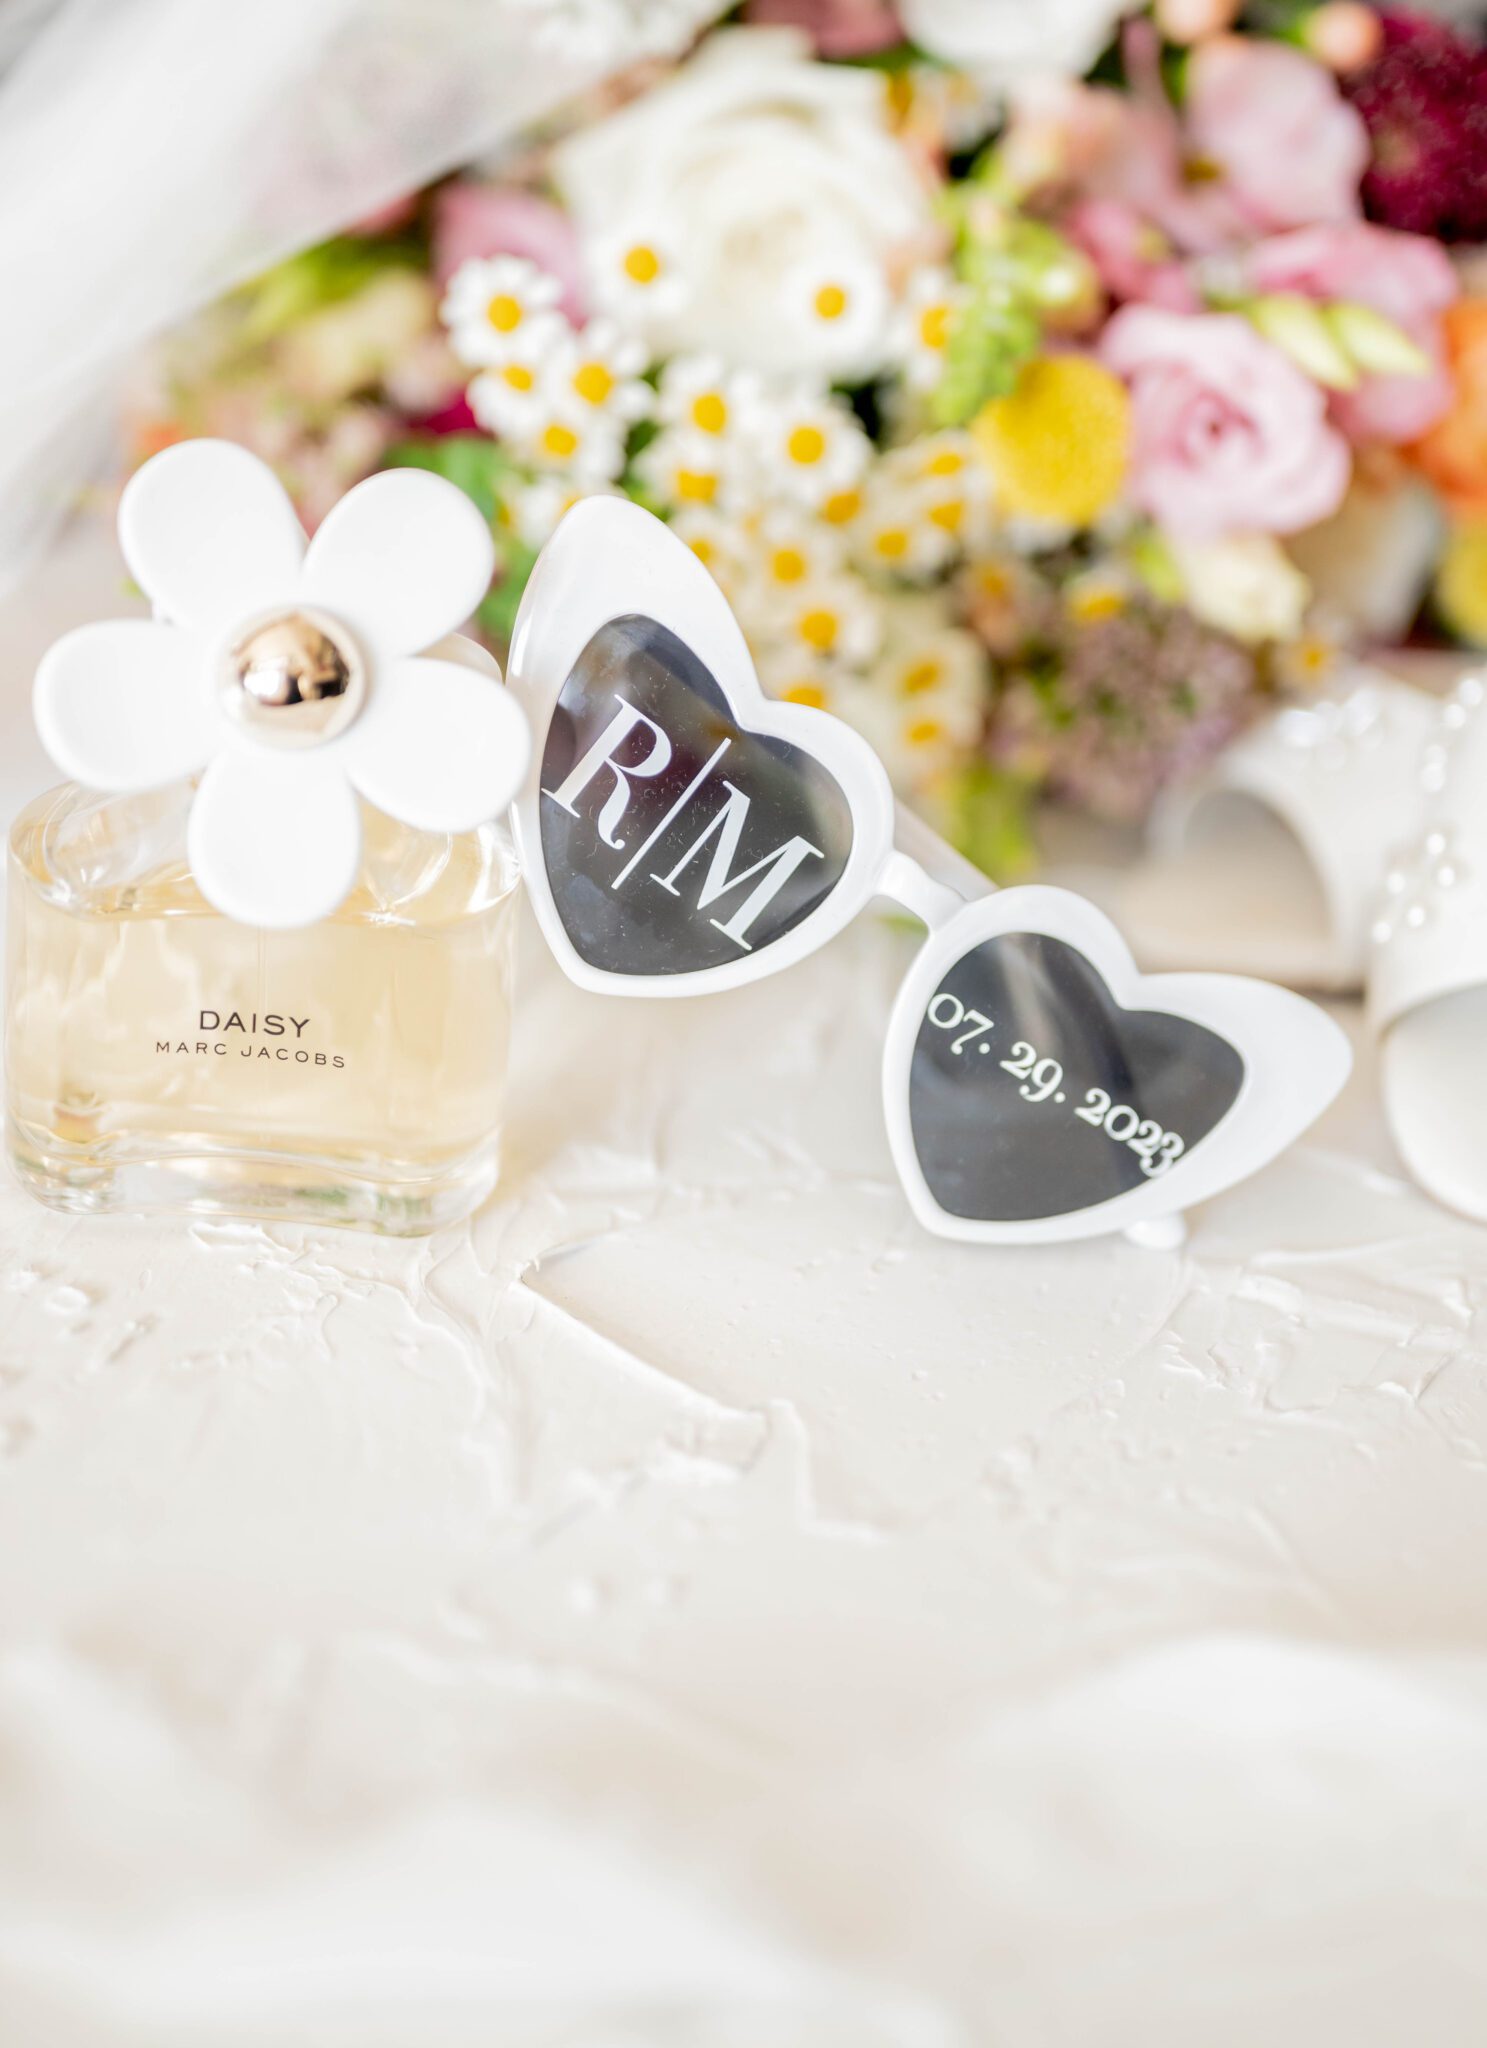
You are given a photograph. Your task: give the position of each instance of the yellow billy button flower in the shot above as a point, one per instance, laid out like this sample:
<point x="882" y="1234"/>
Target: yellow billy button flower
<point x="1058" y="444"/>
<point x="1461" y="582"/>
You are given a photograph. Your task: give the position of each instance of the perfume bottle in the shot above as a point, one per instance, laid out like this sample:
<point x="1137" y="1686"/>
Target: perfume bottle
<point x="280" y="982"/>
<point x="158" y="1054"/>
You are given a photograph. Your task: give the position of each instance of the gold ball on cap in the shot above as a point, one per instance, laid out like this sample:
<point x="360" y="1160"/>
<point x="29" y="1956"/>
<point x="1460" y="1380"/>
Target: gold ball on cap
<point x="293" y="679"/>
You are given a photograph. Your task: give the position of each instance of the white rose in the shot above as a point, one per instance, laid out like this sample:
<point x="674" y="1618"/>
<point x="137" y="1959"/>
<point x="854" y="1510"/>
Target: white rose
<point x="773" y="189"/>
<point x="1004" y="40"/>
<point x="1247" y="586"/>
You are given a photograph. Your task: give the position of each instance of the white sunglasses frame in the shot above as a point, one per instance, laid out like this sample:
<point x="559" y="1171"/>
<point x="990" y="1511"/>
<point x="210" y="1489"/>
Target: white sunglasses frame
<point x="610" y="559"/>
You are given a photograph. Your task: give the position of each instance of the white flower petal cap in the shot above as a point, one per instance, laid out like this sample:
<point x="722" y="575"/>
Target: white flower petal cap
<point x="297" y="678"/>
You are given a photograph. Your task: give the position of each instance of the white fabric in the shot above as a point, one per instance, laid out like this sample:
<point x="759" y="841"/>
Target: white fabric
<point x="154" y="153"/>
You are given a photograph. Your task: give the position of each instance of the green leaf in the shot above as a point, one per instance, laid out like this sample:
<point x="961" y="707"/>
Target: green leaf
<point x="477" y="464"/>
<point x="985" y="812"/>
<point x="497" y="615"/>
<point x="316" y="277"/>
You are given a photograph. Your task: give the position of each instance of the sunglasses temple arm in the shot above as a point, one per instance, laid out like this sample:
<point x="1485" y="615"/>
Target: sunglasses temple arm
<point x="926" y="875"/>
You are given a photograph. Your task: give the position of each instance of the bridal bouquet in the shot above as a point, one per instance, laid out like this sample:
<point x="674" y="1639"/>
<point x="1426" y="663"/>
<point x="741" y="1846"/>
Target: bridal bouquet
<point x="1046" y="386"/>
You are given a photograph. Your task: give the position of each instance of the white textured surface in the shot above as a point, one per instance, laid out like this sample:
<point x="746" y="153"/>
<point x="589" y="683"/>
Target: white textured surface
<point x="690" y="1608"/>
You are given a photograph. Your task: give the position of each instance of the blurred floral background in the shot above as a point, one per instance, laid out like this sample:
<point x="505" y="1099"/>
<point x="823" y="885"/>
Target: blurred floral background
<point x="1049" y="387"/>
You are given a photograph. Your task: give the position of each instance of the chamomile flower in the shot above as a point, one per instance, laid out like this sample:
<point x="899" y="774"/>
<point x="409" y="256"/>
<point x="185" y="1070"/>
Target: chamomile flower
<point x="589" y="450"/>
<point x="532" y="510"/>
<point x="596" y="374"/>
<point x="721" y="544"/>
<point x="925" y="703"/>
<point x="810" y="445"/>
<point x="790" y="551"/>
<point x="793" y="675"/>
<point x="892" y="535"/>
<point x="635" y="276"/>
<point x="925" y="321"/>
<point x="492" y="305"/>
<point x="685" y="469"/>
<point x="836" y="618"/>
<point x="702" y="396"/>
<point x="507" y="398"/>
<point x="843" y="303"/>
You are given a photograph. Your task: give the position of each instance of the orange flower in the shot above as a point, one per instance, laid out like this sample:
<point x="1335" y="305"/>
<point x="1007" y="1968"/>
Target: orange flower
<point x="1454" y="452"/>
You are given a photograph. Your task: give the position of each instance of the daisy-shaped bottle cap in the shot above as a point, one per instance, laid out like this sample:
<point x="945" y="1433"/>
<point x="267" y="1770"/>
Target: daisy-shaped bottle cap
<point x="296" y="676"/>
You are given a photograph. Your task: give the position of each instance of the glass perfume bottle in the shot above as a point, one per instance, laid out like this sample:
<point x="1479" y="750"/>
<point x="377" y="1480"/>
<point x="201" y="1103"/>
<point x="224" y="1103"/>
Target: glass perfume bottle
<point x="159" y="1054"/>
<point x="260" y="944"/>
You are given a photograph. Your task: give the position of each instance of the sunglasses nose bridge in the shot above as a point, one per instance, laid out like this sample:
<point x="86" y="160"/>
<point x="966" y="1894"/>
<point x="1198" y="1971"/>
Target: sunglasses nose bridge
<point x="907" y="883"/>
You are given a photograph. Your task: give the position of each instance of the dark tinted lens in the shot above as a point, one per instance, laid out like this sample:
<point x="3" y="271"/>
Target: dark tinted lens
<point x="1032" y="1094"/>
<point x="673" y="838"/>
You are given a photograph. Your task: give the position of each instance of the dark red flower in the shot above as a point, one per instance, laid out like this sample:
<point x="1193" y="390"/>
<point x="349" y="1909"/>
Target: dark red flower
<point x="1424" y="100"/>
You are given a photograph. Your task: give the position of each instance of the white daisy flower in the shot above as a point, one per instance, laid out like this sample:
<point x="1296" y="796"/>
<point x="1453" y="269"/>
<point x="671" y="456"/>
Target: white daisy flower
<point x="596" y="375"/>
<point x="634" y="274"/>
<point x="837" y="618"/>
<point x="925" y="320"/>
<point x="533" y="509"/>
<point x="491" y="304"/>
<point x="509" y="397"/>
<point x="790" y="549"/>
<point x="702" y="396"/>
<point x="588" y="450"/>
<point x="893" y="535"/>
<point x="722" y="545"/>
<point x="794" y="675"/>
<point x="926" y="699"/>
<point x="295" y="679"/>
<point x="808" y="446"/>
<point x="842" y="303"/>
<point x="683" y="468"/>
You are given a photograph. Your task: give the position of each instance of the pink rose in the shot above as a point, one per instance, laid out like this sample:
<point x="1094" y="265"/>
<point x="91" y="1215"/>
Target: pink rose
<point x="1134" y="258"/>
<point x="1275" y="126"/>
<point x="499" y="220"/>
<point x="1227" y="435"/>
<point x="1406" y="278"/>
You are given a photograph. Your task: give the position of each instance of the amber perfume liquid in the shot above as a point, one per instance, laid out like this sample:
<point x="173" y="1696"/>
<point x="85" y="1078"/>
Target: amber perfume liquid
<point x="158" y="1055"/>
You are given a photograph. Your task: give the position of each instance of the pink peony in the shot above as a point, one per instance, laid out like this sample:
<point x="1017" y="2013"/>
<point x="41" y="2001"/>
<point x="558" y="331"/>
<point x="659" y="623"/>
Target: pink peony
<point x="1406" y="278"/>
<point x="1274" y="126"/>
<point x="500" y="220"/>
<point x="1227" y="435"/>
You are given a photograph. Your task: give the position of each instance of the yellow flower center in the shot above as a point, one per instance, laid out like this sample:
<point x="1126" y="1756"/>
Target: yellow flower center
<point x="949" y="514"/>
<point x="788" y="564"/>
<point x="703" y="549"/>
<point x="830" y="302"/>
<point x="593" y="383"/>
<point x="1097" y="601"/>
<point x="841" y="507"/>
<point x="518" y="376"/>
<point x="923" y="732"/>
<point x="806" y="693"/>
<point x="1058" y="443"/>
<point x="934" y="326"/>
<point x="945" y="462"/>
<point x="922" y="676"/>
<point x="559" y="440"/>
<point x="819" y="630"/>
<point x="641" y="264"/>
<point x="710" y="412"/>
<point x="892" y="543"/>
<point x="504" y="313"/>
<point x="695" y="486"/>
<point x="806" y="445"/>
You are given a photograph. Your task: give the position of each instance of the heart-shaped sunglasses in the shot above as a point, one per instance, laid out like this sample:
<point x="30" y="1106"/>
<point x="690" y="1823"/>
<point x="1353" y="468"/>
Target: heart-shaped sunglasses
<point x="681" y="833"/>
